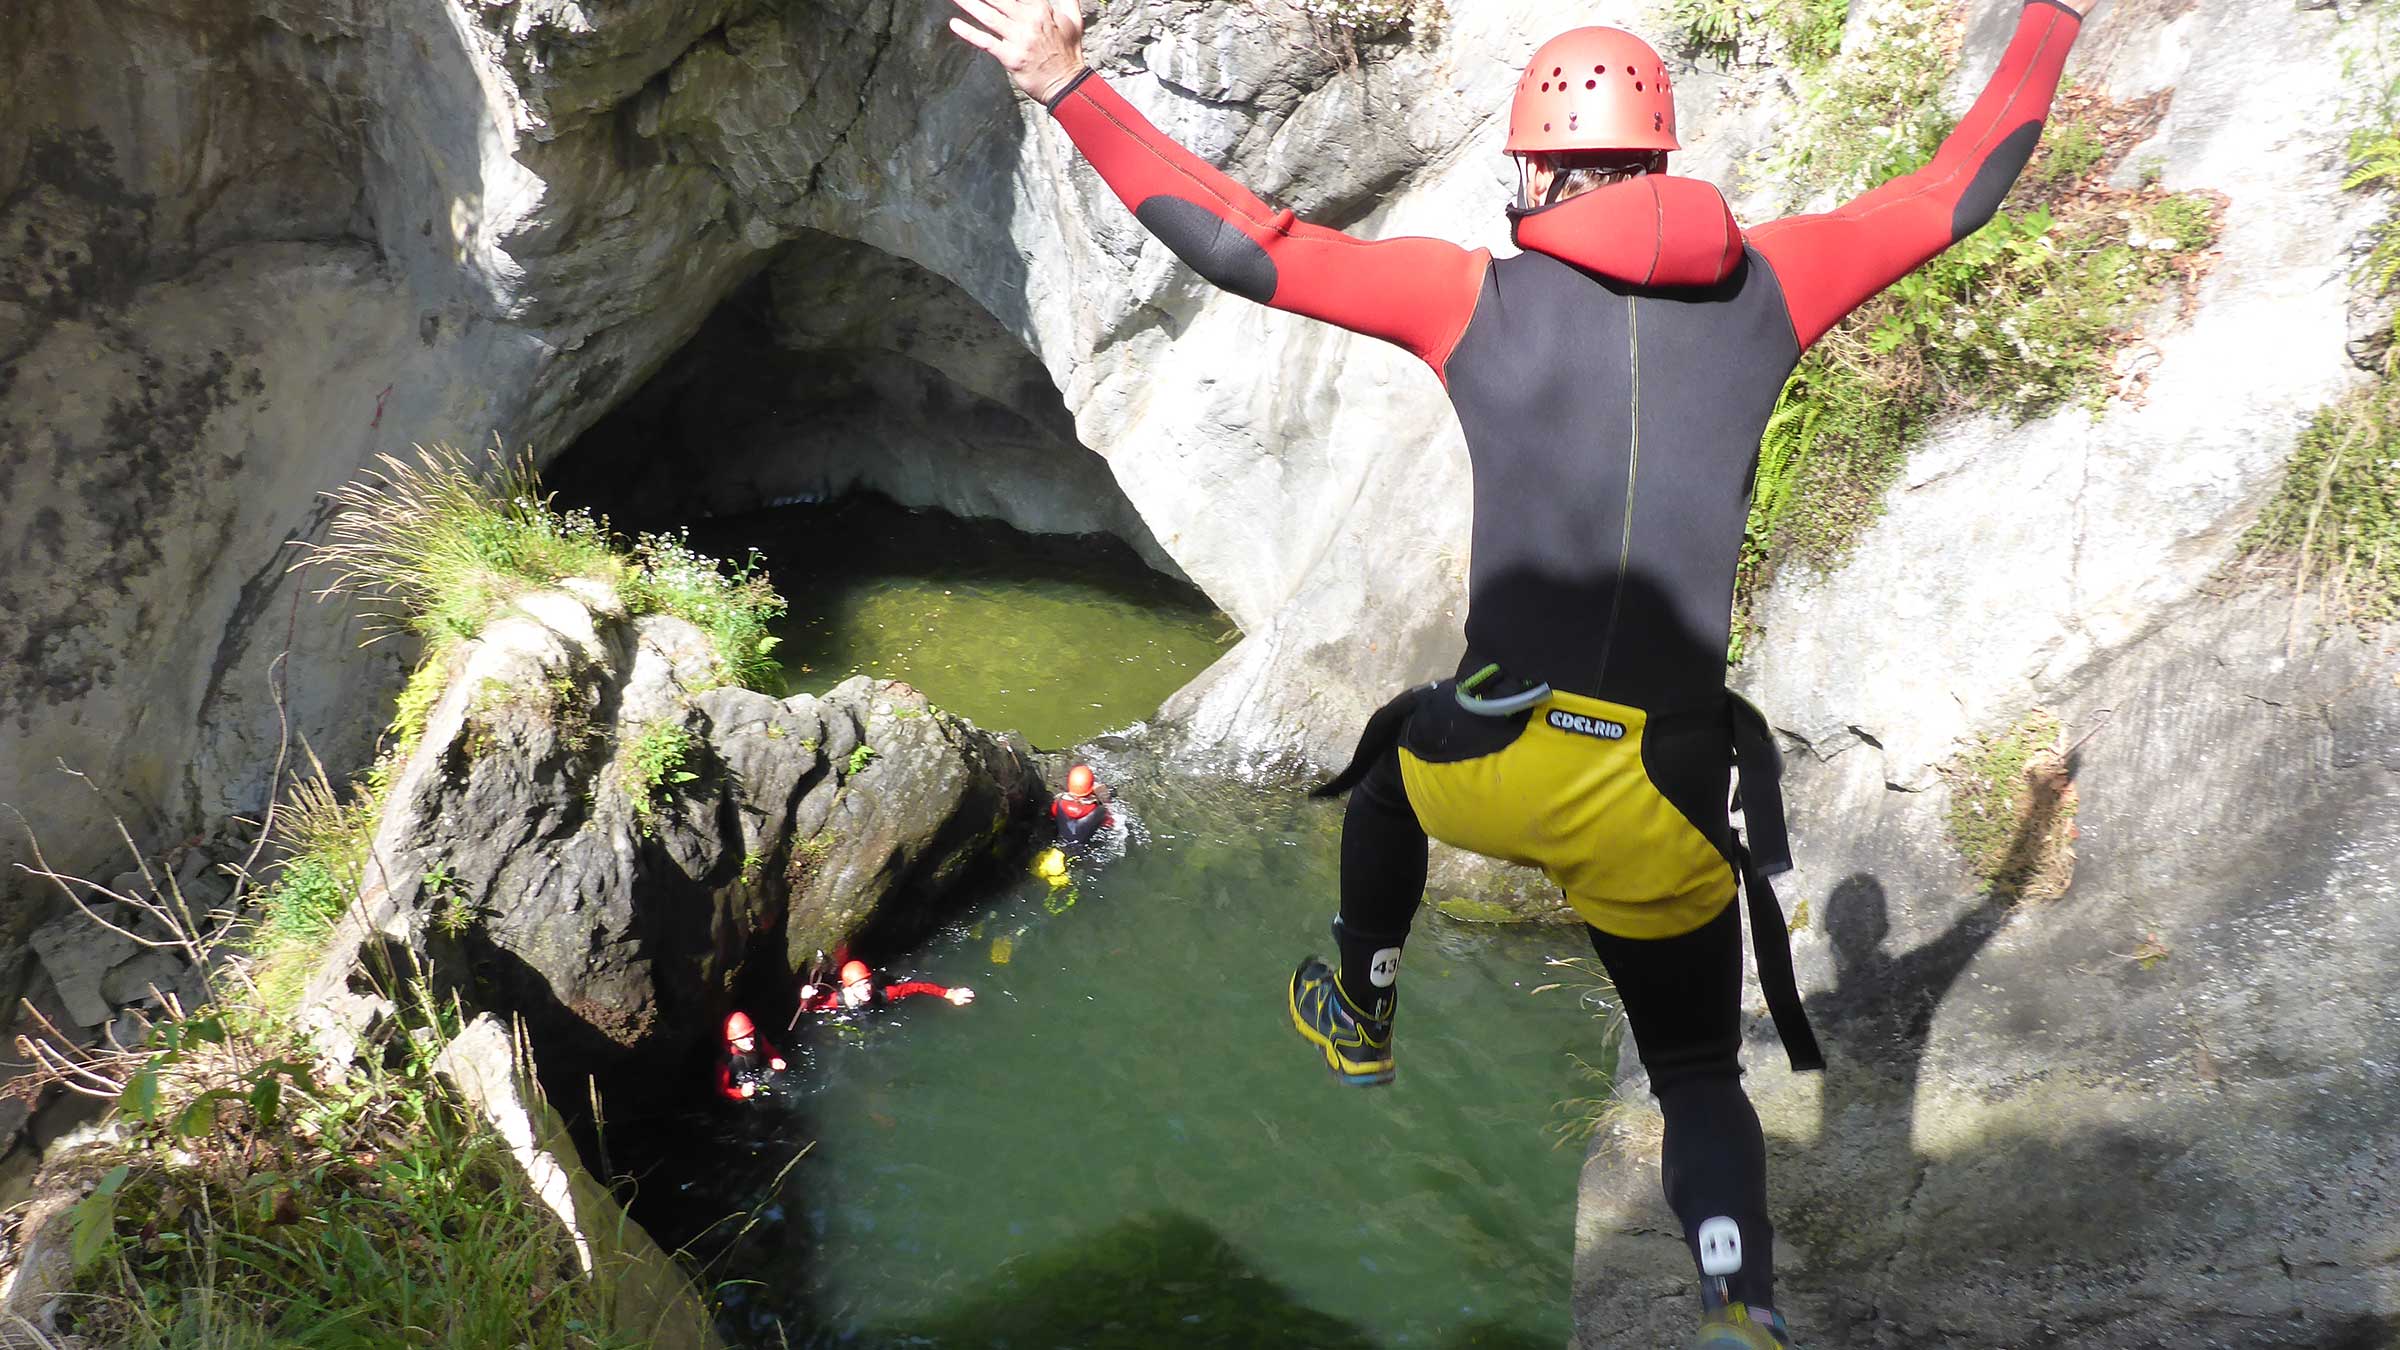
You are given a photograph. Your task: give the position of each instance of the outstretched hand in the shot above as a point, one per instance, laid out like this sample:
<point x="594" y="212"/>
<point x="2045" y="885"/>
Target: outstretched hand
<point x="1038" y="42"/>
<point x="961" y="996"/>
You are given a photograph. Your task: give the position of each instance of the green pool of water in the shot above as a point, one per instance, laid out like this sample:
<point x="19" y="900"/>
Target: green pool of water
<point x="1060" y="638"/>
<point x="1121" y="1143"/>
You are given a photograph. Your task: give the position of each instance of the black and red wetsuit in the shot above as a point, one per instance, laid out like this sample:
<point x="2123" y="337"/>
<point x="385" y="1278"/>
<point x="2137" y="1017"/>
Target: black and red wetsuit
<point x="753" y="1069"/>
<point x="828" y="998"/>
<point x="1613" y="381"/>
<point x="1079" y="820"/>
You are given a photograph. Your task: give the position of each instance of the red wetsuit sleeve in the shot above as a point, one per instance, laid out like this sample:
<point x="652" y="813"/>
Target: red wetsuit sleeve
<point x="725" y="1081"/>
<point x="1416" y="292"/>
<point x="1831" y="264"/>
<point x="893" y="993"/>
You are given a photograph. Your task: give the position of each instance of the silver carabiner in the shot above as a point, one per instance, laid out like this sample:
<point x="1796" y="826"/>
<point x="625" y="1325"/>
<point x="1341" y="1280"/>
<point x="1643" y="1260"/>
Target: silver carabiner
<point x="1507" y="705"/>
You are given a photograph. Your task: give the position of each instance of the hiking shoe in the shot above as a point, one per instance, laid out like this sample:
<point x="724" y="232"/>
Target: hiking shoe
<point x="1739" y="1327"/>
<point x="1358" y="1048"/>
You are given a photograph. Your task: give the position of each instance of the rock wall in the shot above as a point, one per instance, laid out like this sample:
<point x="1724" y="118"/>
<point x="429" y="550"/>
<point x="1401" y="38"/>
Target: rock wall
<point x="2136" y="1115"/>
<point x="844" y="368"/>
<point x="250" y="245"/>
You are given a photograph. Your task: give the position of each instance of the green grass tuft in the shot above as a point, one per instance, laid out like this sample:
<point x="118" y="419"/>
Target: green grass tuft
<point x="244" y="1205"/>
<point x="324" y="841"/>
<point x="437" y="547"/>
<point x="2335" y="523"/>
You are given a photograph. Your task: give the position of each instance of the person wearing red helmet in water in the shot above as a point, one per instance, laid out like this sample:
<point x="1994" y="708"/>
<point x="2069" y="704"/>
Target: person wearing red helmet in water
<point x="1081" y="812"/>
<point x="1613" y="380"/>
<point x="747" y="1062"/>
<point x="857" y="988"/>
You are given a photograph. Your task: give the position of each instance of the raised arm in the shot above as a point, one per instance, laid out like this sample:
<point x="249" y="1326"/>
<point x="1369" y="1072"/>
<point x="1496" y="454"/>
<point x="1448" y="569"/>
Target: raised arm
<point x="1831" y="264"/>
<point x="1418" y="293"/>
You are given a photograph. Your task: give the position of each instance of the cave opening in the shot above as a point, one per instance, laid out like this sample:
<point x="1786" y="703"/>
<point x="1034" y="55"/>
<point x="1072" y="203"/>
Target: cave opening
<point x="912" y="481"/>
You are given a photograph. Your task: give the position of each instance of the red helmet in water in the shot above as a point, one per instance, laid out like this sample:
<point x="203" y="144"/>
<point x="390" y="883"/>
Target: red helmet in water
<point x="855" y="972"/>
<point x="1593" y="89"/>
<point x="1080" y="780"/>
<point x="739" y="1027"/>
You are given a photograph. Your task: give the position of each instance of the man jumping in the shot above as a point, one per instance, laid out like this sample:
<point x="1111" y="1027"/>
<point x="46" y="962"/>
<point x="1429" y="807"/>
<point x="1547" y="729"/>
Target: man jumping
<point x="1613" y="381"/>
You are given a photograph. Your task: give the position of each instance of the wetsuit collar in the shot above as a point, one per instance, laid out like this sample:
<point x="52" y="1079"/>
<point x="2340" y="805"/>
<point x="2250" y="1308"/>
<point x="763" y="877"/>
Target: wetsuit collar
<point x="1655" y="230"/>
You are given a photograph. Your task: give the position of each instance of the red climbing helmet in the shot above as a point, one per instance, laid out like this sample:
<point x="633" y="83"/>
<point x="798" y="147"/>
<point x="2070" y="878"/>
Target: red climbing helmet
<point x="738" y="1027"/>
<point x="1079" y="780"/>
<point x="854" y="972"/>
<point x="1593" y="89"/>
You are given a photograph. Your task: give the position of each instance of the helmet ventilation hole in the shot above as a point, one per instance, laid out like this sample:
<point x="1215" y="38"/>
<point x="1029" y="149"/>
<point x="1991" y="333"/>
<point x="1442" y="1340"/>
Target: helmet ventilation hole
<point x="1591" y="84"/>
<point x="1637" y="86"/>
<point x="1545" y="86"/>
<point x="1556" y="71"/>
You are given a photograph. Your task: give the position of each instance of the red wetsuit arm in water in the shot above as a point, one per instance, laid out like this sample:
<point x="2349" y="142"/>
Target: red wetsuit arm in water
<point x="1831" y="264"/>
<point x="1416" y="292"/>
<point x="893" y="993"/>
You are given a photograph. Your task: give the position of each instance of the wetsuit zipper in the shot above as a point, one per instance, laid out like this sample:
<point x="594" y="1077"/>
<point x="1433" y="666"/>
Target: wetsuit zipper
<point x="1633" y="464"/>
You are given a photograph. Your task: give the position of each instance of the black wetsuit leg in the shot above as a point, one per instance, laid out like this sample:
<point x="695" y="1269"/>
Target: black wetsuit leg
<point x="1683" y="998"/>
<point x="1383" y="879"/>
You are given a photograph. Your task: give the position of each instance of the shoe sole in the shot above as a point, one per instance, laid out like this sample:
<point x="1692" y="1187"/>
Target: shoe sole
<point x="1344" y="1069"/>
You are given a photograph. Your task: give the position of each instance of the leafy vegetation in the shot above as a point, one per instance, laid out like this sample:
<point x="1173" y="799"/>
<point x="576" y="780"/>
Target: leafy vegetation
<point x="1806" y="33"/>
<point x="2335" y="523"/>
<point x="243" y="1205"/>
<point x="1372" y="19"/>
<point x="437" y="548"/>
<point x="860" y="758"/>
<point x="654" y="766"/>
<point x="2023" y="317"/>
<point x="2012" y="810"/>
<point x="2375" y="165"/>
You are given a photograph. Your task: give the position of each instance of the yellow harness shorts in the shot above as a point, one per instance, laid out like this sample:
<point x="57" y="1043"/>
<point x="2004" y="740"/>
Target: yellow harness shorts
<point x="1574" y="794"/>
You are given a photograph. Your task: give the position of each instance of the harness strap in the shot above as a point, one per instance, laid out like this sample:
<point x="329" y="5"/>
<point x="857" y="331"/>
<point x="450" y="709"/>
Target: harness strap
<point x="1759" y="763"/>
<point x="1771" y="945"/>
<point x="1758" y="766"/>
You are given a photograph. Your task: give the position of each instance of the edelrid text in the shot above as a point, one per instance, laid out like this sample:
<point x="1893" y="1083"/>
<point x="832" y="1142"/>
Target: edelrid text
<point x="1587" y="726"/>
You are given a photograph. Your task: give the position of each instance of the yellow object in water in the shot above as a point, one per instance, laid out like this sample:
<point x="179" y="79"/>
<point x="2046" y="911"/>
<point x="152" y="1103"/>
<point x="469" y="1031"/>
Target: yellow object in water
<point x="1051" y="866"/>
<point x="1002" y="949"/>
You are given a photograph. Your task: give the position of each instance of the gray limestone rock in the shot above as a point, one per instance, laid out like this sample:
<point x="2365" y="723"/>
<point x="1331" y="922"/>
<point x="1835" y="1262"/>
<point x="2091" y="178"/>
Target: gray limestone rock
<point x="2154" y="1111"/>
<point x="78" y="954"/>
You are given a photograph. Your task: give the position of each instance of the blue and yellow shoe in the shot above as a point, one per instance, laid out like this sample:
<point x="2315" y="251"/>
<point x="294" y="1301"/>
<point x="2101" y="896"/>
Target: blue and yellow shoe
<point x="1358" y="1048"/>
<point x="1738" y="1327"/>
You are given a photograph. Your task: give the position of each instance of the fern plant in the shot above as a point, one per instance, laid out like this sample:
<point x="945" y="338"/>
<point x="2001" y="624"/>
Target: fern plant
<point x="2375" y="163"/>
